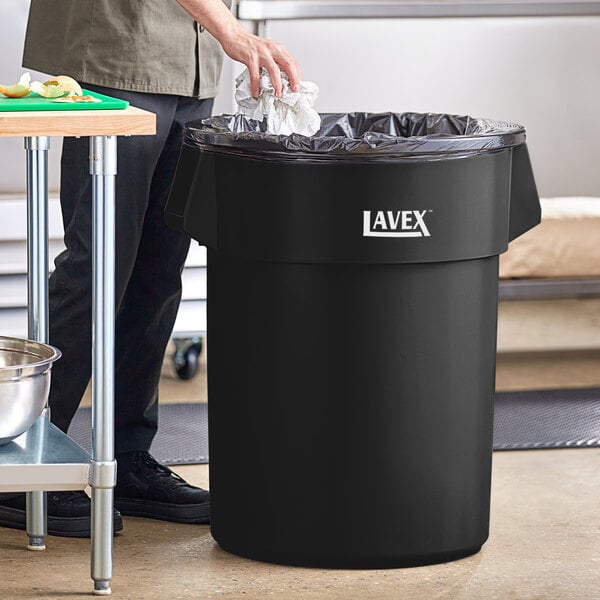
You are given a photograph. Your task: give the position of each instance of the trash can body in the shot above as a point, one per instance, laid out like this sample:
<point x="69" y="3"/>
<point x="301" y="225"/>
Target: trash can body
<point x="352" y="312"/>
<point x="351" y="410"/>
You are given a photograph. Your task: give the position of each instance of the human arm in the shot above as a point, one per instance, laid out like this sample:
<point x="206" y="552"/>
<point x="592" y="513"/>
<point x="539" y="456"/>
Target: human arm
<point x="241" y="45"/>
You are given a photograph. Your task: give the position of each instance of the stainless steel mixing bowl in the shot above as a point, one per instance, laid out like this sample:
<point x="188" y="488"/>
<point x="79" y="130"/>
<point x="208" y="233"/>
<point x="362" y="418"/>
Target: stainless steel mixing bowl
<point x="24" y="384"/>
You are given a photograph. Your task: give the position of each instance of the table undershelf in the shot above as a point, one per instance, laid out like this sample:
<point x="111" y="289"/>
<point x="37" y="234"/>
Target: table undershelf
<point x="43" y="459"/>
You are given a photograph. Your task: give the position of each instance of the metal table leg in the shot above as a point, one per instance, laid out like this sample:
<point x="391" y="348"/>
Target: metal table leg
<point x="103" y="168"/>
<point x="37" y="295"/>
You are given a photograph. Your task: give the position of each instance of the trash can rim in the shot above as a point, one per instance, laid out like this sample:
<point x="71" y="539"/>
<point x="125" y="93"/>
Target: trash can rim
<point x="236" y="133"/>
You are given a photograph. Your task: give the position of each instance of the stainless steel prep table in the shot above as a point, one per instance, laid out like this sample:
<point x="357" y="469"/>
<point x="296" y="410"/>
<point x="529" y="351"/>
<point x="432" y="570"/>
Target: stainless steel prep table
<point x="44" y="458"/>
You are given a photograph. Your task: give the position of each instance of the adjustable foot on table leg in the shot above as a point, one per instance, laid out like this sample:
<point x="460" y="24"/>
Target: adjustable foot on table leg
<point x="102" y="588"/>
<point x="36" y="542"/>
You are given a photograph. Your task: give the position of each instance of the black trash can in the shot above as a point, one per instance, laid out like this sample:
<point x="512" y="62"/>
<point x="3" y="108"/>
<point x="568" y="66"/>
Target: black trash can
<point x="352" y="310"/>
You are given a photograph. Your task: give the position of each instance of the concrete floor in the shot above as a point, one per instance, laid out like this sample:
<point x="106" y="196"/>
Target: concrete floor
<point x="544" y="544"/>
<point x="544" y="539"/>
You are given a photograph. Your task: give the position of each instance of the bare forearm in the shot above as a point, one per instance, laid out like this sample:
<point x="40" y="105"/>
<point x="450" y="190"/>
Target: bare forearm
<point x="241" y="45"/>
<point x="215" y="17"/>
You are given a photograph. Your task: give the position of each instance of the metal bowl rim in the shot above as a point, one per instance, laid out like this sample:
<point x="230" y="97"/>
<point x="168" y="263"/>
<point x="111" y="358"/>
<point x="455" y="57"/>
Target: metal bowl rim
<point x="56" y="353"/>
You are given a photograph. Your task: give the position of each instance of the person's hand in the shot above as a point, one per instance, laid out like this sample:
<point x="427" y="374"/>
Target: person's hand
<point x="256" y="52"/>
<point x="241" y="45"/>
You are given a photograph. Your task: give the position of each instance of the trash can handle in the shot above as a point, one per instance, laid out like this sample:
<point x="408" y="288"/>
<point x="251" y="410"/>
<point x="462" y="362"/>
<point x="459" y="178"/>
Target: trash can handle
<point x="182" y="209"/>
<point x="525" y="211"/>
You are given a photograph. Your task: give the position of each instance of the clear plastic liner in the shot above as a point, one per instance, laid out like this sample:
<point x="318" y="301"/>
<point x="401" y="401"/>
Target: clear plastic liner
<point x="361" y="136"/>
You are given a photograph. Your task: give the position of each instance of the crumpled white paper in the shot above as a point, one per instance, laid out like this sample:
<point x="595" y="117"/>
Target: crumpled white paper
<point x="293" y="112"/>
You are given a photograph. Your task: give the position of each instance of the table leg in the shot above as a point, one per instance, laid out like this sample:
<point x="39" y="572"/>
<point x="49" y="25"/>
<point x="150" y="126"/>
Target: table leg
<point x="103" y="168"/>
<point x="37" y="295"/>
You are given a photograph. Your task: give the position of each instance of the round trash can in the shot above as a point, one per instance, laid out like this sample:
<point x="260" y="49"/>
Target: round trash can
<point x="352" y="311"/>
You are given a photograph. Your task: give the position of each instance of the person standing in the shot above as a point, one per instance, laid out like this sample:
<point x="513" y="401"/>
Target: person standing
<point x="164" y="56"/>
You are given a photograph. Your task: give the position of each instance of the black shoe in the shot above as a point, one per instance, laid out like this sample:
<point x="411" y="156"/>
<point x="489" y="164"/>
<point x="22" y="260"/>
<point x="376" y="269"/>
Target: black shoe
<point x="68" y="513"/>
<point x="145" y="488"/>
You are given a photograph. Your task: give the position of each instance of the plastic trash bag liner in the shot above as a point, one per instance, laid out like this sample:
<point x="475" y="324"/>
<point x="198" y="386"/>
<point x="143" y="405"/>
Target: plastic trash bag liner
<point x="360" y="135"/>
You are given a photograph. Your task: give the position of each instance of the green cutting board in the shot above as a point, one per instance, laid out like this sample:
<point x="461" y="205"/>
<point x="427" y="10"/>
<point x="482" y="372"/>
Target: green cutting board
<point x="35" y="102"/>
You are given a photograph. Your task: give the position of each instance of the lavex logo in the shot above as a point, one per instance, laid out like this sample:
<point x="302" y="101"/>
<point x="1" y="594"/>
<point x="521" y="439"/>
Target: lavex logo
<point x="395" y="223"/>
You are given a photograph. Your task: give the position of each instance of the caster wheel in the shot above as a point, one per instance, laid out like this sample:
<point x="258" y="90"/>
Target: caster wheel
<point x="188" y="362"/>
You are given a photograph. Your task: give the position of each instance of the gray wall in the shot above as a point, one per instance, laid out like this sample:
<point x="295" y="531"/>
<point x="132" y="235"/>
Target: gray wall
<point x="541" y="72"/>
<point x="13" y="17"/>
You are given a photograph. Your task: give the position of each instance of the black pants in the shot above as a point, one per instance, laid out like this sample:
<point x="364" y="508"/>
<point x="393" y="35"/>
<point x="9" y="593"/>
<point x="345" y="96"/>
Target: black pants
<point x="149" y="261"/>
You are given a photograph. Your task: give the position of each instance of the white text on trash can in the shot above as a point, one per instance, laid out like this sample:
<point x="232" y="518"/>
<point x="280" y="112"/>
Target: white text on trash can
<point x="395" y="223"/>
